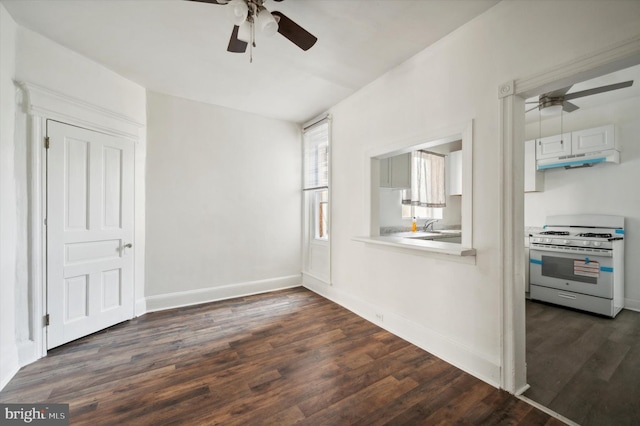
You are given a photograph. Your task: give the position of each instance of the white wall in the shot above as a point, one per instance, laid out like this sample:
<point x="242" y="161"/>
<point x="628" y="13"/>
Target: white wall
<point x="8" y="199"/>
<point x="451" y="308"/>
<point x="223" y="203"/>
<point x="601" y="189"/>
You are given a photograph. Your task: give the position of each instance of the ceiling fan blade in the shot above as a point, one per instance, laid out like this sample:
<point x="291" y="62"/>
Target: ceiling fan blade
<point x="294" y="32"/>
<point x="558" y="93"/>
<point x="569" y="107"/>
<point x="235" y="45"/>
<point x="597" y="90"/>
<point x="212" y="1"/>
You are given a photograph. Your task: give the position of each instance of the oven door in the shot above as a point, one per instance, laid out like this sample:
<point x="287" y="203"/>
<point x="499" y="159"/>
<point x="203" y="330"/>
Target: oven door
<point x="590" y="274"/>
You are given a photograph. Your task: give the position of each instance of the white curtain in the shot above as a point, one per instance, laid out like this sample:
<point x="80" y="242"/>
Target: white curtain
<point x="427" y="180"/>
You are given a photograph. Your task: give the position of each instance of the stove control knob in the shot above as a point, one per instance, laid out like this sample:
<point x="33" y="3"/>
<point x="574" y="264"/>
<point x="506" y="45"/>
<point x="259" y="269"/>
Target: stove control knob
<point x="597" y="243"/>
<point x="547" y="240"/>
<point x="585" y="243"/>
<point x="565" y="241"/>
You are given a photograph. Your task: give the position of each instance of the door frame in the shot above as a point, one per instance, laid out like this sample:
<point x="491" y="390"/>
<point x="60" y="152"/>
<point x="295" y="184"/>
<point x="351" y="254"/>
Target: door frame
<point x="38" y="104"/>
<point x="512" y="96"/>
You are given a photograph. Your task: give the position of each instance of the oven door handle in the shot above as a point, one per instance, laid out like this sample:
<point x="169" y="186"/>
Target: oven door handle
<point x="567" y="296"/>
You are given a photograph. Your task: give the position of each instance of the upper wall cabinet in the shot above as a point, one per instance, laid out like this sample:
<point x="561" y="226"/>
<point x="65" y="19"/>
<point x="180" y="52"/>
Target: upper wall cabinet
<point x="579" y="142"/>
<point x="553" y="146"/>
<point x="395" y="172"/>
<point x="578" y="149"/>
<point x="590" y="140"/>
<point x="455" y="173"/>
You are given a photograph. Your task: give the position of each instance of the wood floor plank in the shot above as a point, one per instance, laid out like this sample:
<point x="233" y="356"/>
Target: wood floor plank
<point x="583" y="366"/>
<point x="276" y="359"/>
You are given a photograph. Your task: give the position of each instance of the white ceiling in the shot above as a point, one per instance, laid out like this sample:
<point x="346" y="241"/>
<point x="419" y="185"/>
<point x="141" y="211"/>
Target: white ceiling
<point x="179" y="47"/>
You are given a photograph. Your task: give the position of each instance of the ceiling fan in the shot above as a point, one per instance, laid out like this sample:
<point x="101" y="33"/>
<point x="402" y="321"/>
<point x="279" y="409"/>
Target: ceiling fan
<point x="552" y="103"/>
<point x="249" y="16"/>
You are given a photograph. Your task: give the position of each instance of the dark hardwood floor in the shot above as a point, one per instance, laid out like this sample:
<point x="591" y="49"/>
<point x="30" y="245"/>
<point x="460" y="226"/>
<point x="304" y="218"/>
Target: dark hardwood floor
<point x="583" y="366"/>
<point x="279" y="358"/>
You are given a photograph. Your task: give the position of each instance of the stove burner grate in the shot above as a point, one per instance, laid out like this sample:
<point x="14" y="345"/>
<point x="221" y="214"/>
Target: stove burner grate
<point x="554" y="233"/>
<point x="592" y="235"/>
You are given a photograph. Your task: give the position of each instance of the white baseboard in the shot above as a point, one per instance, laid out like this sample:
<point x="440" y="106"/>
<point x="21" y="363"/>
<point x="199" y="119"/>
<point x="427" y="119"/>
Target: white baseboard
<point x="140" y="307"/>
<point x="445" y="348"/>
<point x="27" y="352"/>
<point x="195" y="297"/>
<point x="632" y="304"/>
<point x="9" y="365"/>
<point x="313" y="280"/>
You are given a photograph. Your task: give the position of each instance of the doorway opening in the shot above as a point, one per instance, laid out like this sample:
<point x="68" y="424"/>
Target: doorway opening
<point x="514" y="131"/>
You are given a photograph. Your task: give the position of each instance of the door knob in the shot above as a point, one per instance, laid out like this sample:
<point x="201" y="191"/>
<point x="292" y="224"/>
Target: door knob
<point x="129" y="245"/>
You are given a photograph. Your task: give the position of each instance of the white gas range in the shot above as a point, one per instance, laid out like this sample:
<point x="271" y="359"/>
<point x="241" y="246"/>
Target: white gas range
<point x="578" y="262"/>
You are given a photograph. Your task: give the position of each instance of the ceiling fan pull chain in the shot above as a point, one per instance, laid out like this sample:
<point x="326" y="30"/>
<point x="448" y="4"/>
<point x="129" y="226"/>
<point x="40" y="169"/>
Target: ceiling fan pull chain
<point x="561" y="127"/>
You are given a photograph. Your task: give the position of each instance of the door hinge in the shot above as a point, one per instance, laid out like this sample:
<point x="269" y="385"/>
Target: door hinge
<point x="46" y="320"/>
<point x="46" y="142"/>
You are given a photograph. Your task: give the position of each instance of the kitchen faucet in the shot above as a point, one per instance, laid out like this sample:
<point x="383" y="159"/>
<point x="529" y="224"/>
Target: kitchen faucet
<point x="429" y="224"/>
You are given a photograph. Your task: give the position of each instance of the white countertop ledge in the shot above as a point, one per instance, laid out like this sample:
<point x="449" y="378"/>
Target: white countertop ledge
<point x="432" y="246"/>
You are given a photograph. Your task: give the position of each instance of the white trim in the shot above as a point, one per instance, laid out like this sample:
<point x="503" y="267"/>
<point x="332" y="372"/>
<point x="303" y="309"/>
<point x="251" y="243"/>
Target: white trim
<point x="512" y="234"/>
<point x="632" y="304"/>
<point x="28" y="352"/>
<point x="212" y="294"/>
<point x="41" y="104"/>
<point x="613" y="58"/>
<point x="313" y="280"/>
<point x="462" y="130"/>
<point x="140" y="307"/>
<point x="547" y="410"/>
<point x="449" y="350"/>
<point x="617" y="56"/>
<point x="47" y="103"/>
<point x="12" y="371"/>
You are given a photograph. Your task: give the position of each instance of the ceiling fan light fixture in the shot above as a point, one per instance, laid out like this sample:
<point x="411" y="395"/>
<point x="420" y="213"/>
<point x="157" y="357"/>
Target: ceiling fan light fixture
<point x="551" y="110"/>
<point x="266" y="22"/>
<point x="238" y="10"/>
<point x="550" y="106"/>
<point x="244" y="32"/>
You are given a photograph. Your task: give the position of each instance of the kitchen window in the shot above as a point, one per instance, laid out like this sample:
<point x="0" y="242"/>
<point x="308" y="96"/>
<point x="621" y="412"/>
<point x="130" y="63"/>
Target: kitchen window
<point x="426" y="198"/>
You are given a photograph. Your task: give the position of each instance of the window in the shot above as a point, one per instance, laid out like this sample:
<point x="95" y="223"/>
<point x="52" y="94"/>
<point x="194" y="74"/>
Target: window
<point x="426" y="198"/>
<point x="316" y="176"/>
<point x="321" y="219"/>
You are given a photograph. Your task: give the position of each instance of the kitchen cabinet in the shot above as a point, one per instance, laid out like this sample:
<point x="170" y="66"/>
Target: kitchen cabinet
<point x="590" y="140"/>
<point x="553" y="146"/>
<point x="578" y="142"/>
<point x="533" y="179"/>
<point x="454" y="175"/>
<point x="395" y="172"/>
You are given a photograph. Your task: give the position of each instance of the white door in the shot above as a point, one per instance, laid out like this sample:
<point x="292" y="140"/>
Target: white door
<point x="89" y="232"/>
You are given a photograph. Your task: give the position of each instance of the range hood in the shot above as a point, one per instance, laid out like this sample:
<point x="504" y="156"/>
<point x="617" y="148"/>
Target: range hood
<point x="580" y="160"/>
